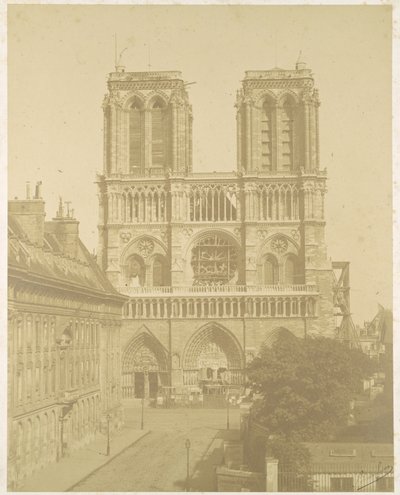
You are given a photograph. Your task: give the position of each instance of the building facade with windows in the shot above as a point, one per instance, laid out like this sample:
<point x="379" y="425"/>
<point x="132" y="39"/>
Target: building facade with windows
<point x="215" y="264"/>
<point x="64" y="320"/>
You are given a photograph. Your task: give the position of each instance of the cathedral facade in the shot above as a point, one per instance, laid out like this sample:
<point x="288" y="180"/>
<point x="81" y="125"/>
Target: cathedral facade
<point x="215" y="264"/>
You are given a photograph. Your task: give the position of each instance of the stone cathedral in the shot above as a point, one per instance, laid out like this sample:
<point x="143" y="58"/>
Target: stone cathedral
<point x="214" y="265"/>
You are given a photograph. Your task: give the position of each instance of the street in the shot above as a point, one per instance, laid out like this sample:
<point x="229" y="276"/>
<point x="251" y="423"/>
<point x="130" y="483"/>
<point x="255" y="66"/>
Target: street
<point x="157" y="462"/>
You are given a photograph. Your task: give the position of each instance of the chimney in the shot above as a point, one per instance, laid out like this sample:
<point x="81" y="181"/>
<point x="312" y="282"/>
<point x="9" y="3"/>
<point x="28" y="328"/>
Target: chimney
<point x="66" y="228"/>
<point x="30" y="214"/>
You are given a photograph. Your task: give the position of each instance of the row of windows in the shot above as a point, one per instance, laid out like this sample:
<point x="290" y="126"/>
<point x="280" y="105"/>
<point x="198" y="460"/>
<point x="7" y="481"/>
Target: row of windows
<point x="38" y="332"/>
<point x="27" y="296"/>
<point x="37" y="439"/>
<point x="205" y="205"/>
<point x="39" y="382"/>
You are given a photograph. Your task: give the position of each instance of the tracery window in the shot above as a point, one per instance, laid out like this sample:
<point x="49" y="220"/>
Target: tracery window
<point x="214" y="261"/>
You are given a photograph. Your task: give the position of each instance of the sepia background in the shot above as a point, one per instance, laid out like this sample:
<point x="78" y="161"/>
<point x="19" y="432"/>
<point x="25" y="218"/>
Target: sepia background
<point x="59" y="58"/>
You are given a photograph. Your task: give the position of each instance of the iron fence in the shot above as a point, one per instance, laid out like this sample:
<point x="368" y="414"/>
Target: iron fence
<point x="347" y="477"/>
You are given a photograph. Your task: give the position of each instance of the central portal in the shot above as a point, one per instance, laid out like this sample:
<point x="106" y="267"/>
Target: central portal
<point x="212" y="358"/>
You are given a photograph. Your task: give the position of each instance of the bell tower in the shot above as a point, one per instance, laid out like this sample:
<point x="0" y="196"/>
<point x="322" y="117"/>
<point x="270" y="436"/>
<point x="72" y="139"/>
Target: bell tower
<point x="278" y="158"/>
<point x="277" y="121"/>
<point x="147" y="124"/>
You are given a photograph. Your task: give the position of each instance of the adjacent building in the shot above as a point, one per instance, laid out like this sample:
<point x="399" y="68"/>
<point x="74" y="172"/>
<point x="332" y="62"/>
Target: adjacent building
<point x="215" y="264"/>
<point x="64" y="320"/>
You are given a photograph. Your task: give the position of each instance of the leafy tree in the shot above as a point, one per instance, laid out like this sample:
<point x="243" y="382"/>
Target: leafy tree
<point x="306" y="386"/>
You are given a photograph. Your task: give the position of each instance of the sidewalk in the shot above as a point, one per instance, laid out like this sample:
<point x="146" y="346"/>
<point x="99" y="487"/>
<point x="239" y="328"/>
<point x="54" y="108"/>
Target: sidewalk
<point x="63" y="475"/>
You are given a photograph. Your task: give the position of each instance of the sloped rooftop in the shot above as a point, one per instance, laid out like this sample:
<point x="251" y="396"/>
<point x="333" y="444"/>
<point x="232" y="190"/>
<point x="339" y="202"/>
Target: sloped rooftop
<point x="50" y="262"/>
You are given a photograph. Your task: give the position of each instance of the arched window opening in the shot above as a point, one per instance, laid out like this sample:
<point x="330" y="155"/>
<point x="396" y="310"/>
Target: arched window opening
<point x="270" y="271"/>
<point x="123" y="207"/>
<point x="287" y="117"/>
<point x="269" y="207"/>
<point x="135" y="208"/>
<point x="156" y="207"/>
<point x="295" y="210"/>
<point x="276" y="205"/>
<point x="20" y="441"/>
<point x="292" y="271"/>
<point x="142" y="208"/>
<point x="266" y="136"/>
<point x="209" y="204"/>
<point x="158" y="140"/>
<point x="135" y="271"/>
<point x="160" y="273"/>
<point x="135" y="136"/>
<point x="288" y="198"/>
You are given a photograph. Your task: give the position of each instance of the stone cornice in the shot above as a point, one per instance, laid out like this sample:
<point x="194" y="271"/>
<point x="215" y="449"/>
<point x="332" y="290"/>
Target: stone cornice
<point x="145" y="85"/>
<point x="250" y="84"/>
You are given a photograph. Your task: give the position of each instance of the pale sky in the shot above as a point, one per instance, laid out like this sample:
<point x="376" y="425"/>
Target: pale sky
<point x="59" y="58"/>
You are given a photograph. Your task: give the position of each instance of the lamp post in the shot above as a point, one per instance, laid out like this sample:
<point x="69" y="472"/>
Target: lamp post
<point x="61" y="449"/>
<point x="108" y="417"/>
<point x="187" y="445"/>
<point x="142" y="417"/>
<point x="227" y="410"/>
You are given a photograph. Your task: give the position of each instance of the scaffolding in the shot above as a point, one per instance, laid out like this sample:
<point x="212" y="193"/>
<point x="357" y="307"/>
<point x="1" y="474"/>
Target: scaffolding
<point x="346" y="332"/>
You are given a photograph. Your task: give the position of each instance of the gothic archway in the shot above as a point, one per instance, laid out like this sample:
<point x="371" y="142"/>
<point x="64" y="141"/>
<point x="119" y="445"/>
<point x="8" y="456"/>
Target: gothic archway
<point x="144" y="367"/>
<point x="213" y="355"/>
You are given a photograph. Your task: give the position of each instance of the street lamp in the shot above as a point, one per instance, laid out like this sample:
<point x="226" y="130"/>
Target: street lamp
<point x="227" y="410"/>
<point x="142" y="418"/>
<point x="108" y="417"/>
<point x="146" y="374"/>
<point x="187" y="445"/>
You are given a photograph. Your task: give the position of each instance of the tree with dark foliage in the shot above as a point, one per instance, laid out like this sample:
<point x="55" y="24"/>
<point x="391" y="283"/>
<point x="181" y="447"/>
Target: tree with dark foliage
<point x="306" y="386"/>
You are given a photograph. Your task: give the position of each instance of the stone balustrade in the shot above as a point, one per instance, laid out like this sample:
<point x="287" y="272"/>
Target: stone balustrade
<point x="220" y="289"/>
<point x="222" y="305"/>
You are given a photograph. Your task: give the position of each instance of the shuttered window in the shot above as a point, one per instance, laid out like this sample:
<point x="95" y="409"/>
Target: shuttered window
<point x="266" y="136"/>
<point x="135" y="137"/>
<point x="157" y="136"/>
<point x="287" y="137"/>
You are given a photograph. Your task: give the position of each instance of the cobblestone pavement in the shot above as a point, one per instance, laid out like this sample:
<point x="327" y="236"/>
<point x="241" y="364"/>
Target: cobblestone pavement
<point x="157" y="462"/>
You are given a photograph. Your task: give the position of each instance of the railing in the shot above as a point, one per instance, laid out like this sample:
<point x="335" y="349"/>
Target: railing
<point x="220" y="289"/>
<point x="347" y="477"/>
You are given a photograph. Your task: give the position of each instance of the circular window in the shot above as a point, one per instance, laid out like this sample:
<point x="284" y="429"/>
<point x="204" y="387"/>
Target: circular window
<point x="214" y="261"/>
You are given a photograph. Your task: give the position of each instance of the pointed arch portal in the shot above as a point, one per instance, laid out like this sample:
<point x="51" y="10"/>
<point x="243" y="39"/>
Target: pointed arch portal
<point x="144" y="367"/>
<point x="213" y="356"/>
